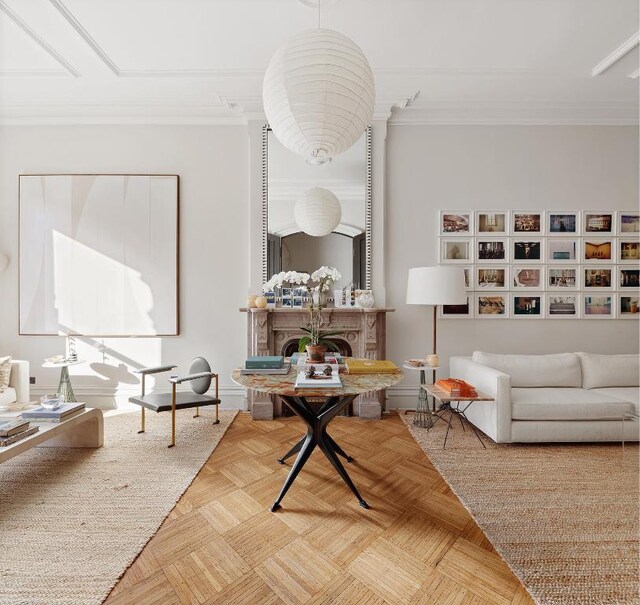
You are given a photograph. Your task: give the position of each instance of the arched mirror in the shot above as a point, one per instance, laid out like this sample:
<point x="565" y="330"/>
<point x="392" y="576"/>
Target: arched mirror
<point x="286" y="176"/>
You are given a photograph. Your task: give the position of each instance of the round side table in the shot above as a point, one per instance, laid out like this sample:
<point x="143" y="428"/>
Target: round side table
<point x="423" y="417"/>
<point x="64" y="386"/>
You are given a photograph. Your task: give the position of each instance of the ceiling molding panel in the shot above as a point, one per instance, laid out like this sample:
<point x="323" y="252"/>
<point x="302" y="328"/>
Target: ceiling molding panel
<point x="85" y="35"/>
<point x="616" y="55"/>
<point x="41" y="42"/>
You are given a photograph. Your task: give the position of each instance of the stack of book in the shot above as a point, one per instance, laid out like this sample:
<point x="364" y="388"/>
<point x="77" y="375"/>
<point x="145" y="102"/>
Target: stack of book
<point x="371" y="366"/>
<point x="60" y="414"/>
<point x="12" y="431"/>
<point x="457" y="388"/>
<point x="266" y="364"/>
<point x="318" y="381"/>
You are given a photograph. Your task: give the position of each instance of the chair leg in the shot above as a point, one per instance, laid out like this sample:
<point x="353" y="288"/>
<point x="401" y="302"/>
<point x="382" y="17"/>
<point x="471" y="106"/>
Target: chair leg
<point x="197" y="414"/>
<point x="173" y="415"/>
<point x="142" y="427"/>
<point x="217" y="420"/>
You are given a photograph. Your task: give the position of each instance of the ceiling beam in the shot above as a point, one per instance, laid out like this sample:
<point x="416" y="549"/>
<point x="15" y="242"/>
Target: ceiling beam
<point x="616" y="55"/>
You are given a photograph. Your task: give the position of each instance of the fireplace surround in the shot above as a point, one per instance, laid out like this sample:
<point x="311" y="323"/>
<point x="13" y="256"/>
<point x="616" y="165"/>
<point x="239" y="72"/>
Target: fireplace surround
<point x="276" y="332"/>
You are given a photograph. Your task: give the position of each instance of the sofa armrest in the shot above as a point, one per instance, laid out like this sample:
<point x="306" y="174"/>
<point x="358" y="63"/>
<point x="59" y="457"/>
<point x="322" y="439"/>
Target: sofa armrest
<point x="492" y="382"/>
<point x="19" y="380"/>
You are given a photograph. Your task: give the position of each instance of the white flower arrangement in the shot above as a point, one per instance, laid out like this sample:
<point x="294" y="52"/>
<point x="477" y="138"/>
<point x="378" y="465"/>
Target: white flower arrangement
<point x="323" y="278"/>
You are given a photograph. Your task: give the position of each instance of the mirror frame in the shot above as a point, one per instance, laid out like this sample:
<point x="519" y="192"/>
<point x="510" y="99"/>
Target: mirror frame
<point x="368" y="204"/>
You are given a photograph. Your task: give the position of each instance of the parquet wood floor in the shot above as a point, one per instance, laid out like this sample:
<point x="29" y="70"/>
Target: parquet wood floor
<point x="221" y="545"/>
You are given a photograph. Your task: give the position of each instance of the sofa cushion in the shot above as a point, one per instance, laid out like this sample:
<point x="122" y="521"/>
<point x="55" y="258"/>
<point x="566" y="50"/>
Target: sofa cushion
<point x="600" y="371"/>
<point x="566" y="404"/>
<point x="631" y="394"/>
<point x="557" y="370"/>
<point x="7" y="397"/>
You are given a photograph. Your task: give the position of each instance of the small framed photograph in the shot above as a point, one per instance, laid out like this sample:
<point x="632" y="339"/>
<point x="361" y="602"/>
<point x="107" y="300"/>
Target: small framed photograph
<point x="492" y="306"/>
<point x="629" y="306"/>
<point x="527" y="250"/>
<point x="492" y="250"/>
<point x="526" y="222"/>
<point x="628" y="222"/>
<point x="597" y="278"/>
<point x="456" y="222"/>
<point x="602" y="223"/>
<point x="563" y="278"/>
<point x="457" y="311"/>
<point x="597" y="307"/>
<point x="492" y="278"/>
<point x="527" y="278"/>
<point x="271" y="299"/>
<point x="468" y="277"/>
<point x="298" y="302"/>
<point x="455" y="251"/>
<point x="629" y="278"/>
<point x="628" y="251"/>
<point x="286" y="292"/>
<point x="490" y="222"/>
<point x="562" y="250"/>
<point x="287" y="302"/>
<point x="563" y="306"/>
<point x="527" y="307"/>
<point x="562" y="222"/>
<point x="598" y="250"/>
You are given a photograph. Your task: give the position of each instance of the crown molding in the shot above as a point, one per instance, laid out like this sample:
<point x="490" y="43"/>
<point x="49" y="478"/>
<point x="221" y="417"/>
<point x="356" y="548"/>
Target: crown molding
<point x="616" y="55"/>
<point x="39" y="40"/>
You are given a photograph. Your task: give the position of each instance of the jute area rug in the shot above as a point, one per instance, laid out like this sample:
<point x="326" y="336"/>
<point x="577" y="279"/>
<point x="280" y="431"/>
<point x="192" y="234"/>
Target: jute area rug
<point x="563" y="517"/>
<point x="73" y="520"/>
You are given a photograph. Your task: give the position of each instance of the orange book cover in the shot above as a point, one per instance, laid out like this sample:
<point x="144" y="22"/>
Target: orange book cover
<point x="370" y="366"/>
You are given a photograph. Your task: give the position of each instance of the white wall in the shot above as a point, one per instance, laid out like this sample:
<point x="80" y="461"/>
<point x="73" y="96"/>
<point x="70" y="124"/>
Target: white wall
<point x="491" y="167"/>
<point x="213" y="163"/>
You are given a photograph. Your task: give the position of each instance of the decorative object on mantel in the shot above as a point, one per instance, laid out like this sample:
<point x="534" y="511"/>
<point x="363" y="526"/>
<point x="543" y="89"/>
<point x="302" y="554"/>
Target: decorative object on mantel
<point x="261" y="302"/>
<point x="251" y="301"/>
<point x="364" y="299"/>
<point x="317" y="212"/>
<point x="319" y="93"/>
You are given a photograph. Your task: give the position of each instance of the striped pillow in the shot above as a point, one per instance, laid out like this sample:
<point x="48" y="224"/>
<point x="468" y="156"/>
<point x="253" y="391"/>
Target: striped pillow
<point x="5" y="372"/>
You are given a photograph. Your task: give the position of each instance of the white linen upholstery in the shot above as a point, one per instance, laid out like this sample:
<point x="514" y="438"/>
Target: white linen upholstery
<point x="19" y="380"/>
<point x="566" y="404"/>
<point x="493" y="418"/>
<point x="630" y="394"/>
<point x="600" y="371"/>
<point x="570" y="431"/>
<point x="558" y="370"/>
<point x="7" y="397"/>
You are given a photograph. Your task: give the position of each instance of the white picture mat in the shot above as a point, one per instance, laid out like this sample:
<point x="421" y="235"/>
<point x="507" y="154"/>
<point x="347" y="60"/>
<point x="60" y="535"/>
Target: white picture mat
<point x="98" y="255"/>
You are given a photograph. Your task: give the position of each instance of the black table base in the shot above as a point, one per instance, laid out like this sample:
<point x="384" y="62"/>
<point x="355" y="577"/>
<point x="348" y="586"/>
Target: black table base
<point x="317" y="436"/>
<point x="460" y="413"/>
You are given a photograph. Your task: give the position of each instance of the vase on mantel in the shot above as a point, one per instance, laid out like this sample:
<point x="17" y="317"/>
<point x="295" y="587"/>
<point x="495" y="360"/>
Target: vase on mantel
<point x="319" y="299"/>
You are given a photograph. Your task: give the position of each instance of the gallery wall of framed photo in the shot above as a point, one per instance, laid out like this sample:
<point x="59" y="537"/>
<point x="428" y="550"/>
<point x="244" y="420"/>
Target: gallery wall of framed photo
<point x="531" y="264"/>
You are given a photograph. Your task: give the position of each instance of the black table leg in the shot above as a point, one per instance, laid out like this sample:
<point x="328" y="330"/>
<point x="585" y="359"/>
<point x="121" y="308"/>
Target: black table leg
<point x="317" y="435"/>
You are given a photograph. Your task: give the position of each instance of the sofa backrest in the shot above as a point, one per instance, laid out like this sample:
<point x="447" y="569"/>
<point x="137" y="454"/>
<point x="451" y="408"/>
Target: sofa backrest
<point x="556" y="370"/>
<point x="601" y="371"/>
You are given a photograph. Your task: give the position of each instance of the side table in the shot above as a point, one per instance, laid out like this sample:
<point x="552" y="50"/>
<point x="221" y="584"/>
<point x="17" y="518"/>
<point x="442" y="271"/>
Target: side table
<point x="64" y="386"/>
<point x="423" y="417"/>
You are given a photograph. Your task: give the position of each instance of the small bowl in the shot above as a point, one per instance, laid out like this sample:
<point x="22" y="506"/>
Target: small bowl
<point x="51" y="401"/>
<point x="416" y="363"/>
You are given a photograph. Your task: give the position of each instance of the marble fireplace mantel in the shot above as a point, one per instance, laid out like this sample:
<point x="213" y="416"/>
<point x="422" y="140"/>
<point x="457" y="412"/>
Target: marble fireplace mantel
<point x="271" y="331"/>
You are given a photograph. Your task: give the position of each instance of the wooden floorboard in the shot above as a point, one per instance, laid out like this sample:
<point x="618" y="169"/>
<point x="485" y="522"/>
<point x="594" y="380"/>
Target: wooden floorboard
<point x="417" y="545"/>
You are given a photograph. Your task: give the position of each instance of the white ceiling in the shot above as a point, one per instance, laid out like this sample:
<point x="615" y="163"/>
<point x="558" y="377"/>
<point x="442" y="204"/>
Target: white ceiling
<point x="435" y="61"/>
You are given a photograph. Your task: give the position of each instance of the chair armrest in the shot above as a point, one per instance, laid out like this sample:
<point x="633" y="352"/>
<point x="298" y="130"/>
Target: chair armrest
<point x="180" y="379"/>
<point x="19" y="380"/>
<point x="154" y="370"/>
<point x="492" y="382"/>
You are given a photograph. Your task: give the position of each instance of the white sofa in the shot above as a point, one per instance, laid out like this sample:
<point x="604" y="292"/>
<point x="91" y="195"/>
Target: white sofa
<point x="553" y="398"/>
<point x="18" y="391"/>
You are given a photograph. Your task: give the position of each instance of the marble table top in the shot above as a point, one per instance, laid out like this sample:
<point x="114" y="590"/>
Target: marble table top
<point x="352" y="384"/>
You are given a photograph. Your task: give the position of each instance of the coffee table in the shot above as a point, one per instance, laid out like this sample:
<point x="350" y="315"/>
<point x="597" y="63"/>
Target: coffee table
<point x="84" y="429"/>
<point x="452" y="405"/>
<point x="336" y="400"/>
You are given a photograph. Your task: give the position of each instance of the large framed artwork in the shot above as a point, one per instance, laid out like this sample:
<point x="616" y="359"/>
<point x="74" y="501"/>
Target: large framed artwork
<point x="99" y="254"/>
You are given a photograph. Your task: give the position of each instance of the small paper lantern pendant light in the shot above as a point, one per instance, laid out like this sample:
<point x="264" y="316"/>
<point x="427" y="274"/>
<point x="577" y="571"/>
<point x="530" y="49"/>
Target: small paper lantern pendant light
<point x="319" y="94"/>
<point x="317" y="212"/>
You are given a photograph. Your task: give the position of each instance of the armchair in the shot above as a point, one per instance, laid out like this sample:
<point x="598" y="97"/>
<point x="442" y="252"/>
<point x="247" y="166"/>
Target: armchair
<point x="18" y="391"/>
<point x="199" y="379"/>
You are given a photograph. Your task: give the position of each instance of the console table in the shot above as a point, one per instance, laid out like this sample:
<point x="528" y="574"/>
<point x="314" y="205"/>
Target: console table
<point x="276" y="331"/>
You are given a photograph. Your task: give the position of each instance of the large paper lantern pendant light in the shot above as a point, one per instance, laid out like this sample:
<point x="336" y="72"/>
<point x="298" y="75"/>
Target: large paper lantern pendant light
<point x="319" y="94"/>
<point x="317" y="212"/>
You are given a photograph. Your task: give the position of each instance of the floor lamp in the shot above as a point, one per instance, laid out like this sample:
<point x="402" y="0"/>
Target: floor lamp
<point x="436" y="286"/>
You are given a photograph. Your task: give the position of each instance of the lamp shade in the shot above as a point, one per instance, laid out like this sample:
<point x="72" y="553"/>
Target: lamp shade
<point x="317" y="212"/>
<point x="318" y="93"/>
<point x="436" y="286"/>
